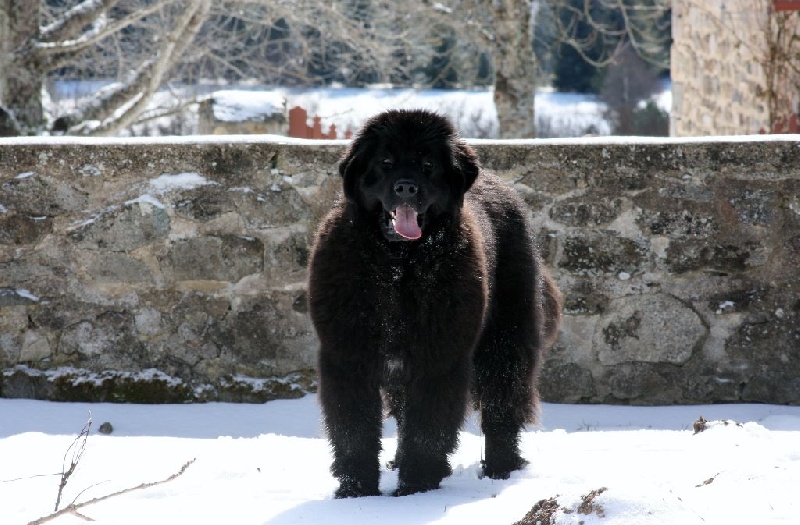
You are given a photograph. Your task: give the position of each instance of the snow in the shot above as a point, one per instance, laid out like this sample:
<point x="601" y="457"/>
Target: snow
<point x="27" y="295"/>
<point x="280" y="139"/>
<point x="19" y="292"/>
<point x="348" y="108"/>
<point x="473" y="110"/>
<point x="78" y="376"/>
<point x="255" y="384"/>
<point x="725" y="306"/>
<point x="147" y="199"/>
<point x="90" y="171"/>
<point x="178" y="181"/>
<point x="259" y="464"/>
<point x="77" y="225"/>
<point x="238" y="106"/>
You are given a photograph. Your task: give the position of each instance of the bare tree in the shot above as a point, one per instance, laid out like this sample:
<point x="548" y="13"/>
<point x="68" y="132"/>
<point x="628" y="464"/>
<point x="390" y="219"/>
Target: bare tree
<point x="505" y="28"/>
<point x="20" y="85"/>
<point x="628" y="82"/>
<point x="147" y="45"/>
<point x="42" y="40"/>
<point x="780" y="64"/>
<point x="508" y="28"/>
<point x="514" y="66"/>
<point x="627" y="24"/>
<point x="119" y="105"/>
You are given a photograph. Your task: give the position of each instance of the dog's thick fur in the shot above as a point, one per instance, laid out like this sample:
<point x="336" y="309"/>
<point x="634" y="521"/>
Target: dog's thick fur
<point x="426" y="292"/>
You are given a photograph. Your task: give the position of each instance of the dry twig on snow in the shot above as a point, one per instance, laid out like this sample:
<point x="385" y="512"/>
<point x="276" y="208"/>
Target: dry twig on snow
<point x="76" y="449"/>
<point x="73" y="508"/>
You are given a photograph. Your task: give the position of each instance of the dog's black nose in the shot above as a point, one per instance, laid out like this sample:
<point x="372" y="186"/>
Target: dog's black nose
<point x="405" y="188"/>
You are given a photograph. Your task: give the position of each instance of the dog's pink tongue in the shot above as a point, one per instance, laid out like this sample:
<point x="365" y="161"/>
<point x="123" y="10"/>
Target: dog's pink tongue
<point x="405" y="222"/>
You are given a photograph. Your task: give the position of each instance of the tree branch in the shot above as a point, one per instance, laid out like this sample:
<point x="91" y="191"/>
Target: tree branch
<point x="64" y="51"/>
<point x="77" y="448"/>
<point x="634" y="29"/>
<point x="71" y="24"/>
<point x="120" y="104"/>
<point x="74" y="507"/>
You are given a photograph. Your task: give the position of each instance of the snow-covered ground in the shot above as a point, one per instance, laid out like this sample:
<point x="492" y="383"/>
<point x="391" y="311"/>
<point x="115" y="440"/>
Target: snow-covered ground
<point x="473" y="110"/>
<point x="268" y="464"/>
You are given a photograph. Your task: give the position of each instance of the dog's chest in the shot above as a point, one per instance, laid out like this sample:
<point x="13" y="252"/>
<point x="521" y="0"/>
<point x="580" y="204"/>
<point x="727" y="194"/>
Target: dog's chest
<point x="410" y="278"/>
<point x="398" y="291"/>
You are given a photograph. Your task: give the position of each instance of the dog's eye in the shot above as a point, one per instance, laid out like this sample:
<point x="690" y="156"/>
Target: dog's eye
<point x="427" y="166"/>
<point x="387" y="163"/>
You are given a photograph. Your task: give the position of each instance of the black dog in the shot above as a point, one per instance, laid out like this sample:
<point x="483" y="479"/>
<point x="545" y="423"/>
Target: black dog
<point x="426" y="287"/>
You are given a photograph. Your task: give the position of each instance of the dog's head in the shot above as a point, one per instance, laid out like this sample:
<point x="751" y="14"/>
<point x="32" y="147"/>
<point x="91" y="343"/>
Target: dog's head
<point x="408" y="168"/>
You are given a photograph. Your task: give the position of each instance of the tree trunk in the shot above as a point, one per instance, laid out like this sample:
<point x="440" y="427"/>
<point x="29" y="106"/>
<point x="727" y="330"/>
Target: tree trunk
<point x="21" y="81"/>
<point x="514" y="66"/>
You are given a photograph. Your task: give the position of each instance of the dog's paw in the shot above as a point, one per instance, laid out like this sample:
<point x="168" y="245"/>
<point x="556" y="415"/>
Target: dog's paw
<point x="355" y="489"/>
<point x="406" y="489"/>
<point x="502" y="469"/>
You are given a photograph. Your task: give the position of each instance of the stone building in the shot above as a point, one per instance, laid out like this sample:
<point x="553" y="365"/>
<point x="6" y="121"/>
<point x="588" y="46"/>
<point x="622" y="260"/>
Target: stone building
<point x="732" y="66"/>
<point x="242" y="112"/>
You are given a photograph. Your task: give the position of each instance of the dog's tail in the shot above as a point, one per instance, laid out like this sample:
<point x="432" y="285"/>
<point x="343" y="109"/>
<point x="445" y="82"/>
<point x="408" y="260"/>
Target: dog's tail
<point x="552" y="306"/>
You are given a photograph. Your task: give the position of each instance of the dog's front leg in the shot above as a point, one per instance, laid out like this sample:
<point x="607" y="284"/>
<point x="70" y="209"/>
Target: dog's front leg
<point x="433" y="414"/>
<point x="352" y="411"/>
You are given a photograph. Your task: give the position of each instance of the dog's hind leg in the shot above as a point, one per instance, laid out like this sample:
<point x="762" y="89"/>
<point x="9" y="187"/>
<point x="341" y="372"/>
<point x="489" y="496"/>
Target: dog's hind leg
<point x="506" y="365"/>
<point x="507" y="399"/>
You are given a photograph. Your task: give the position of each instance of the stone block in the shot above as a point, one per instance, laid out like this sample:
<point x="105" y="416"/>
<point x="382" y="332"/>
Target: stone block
<point x="644" y="383"/>
<point x="35" y="347"/>
<point x="23" y="229"/>
<point x="586" y="210"/>
<point x="602" y="252"/>
<point x="218" y="258"/>
<point x="653" y="328"/>
<point x="567" y="383"/>
<point x="124" y="228"/>
<point x="106" y="337"/>
<point x="713" y="257"/>
<point x="114" y="267"/>
<point x="40" y="195"/>
<point x="281" y="205"/>
<point x="677" y="211"/>
<point x="205" y="203"/>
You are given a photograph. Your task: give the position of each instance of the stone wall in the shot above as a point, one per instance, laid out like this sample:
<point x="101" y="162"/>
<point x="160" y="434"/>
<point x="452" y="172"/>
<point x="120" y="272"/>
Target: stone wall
<point x="719" y="51"/>
<point x="175" y="271"/>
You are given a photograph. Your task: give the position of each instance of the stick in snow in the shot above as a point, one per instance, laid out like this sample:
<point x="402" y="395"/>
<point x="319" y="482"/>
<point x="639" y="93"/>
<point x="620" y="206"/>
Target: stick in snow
<point x="77" y="448"/>
<point x="73" y="508"/>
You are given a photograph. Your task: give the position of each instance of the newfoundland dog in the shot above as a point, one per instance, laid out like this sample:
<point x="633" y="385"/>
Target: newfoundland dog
<point x="426" y="292"/>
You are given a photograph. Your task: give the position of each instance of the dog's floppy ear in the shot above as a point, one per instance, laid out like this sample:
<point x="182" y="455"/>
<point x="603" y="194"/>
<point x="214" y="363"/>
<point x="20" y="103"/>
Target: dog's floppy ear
<point x="466" y="167"/>
<point x="352" y="166"/>
<point x="467" y="163"/>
